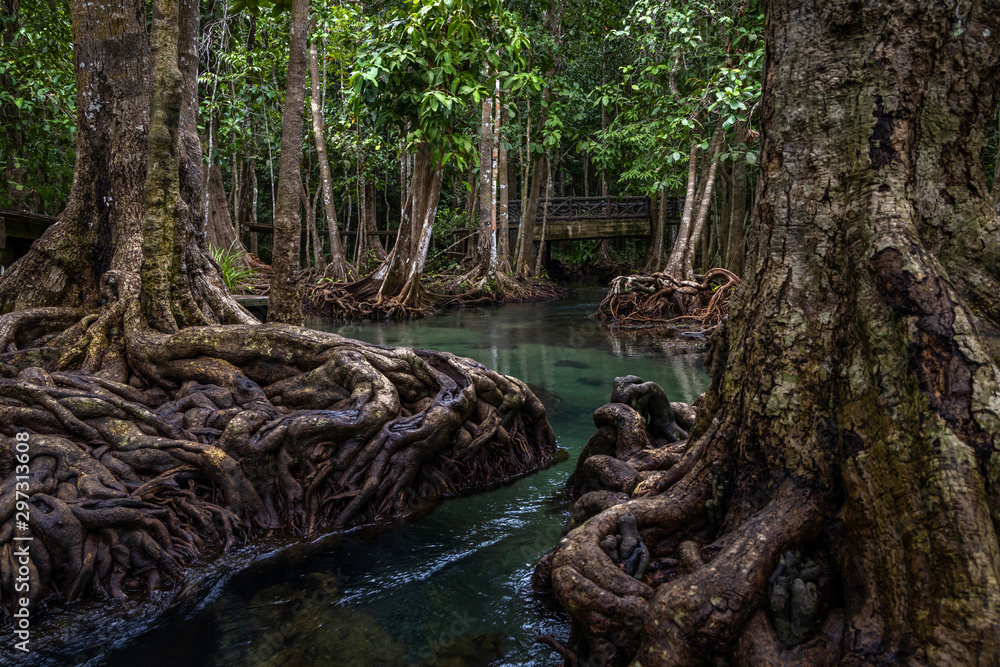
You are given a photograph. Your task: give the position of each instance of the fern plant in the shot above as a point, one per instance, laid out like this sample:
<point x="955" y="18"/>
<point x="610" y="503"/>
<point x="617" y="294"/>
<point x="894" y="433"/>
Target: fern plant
<point x="233" y="270"/>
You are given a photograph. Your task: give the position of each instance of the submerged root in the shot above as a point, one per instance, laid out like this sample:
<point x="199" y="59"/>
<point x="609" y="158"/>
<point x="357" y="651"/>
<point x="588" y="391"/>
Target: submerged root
<point x="200" y="436"/>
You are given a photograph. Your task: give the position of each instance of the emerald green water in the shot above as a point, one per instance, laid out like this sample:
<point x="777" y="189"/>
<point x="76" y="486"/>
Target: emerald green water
<point x="452" y="587"/>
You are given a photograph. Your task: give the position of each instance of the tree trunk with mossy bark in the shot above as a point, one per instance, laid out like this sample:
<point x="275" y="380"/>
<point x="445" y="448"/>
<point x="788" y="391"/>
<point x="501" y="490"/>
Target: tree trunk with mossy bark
<point x="153" y="438"/>
<point x="837" y="500"/>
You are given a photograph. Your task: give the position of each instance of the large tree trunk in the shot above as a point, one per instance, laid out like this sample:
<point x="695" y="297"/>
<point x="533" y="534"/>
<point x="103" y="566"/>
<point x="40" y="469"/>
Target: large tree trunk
<point x="111" y="60"/>
<point x="837" y="499"/>
<point x="151" y="441"/>
<point x="338" y="268"/>
<point x="285" y="301"/>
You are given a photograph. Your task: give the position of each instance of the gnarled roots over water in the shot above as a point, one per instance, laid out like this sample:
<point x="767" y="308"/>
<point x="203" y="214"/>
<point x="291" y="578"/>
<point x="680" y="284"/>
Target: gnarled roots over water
<point x="144" y="448"/>
<point x="654" y="570"/>
<point x="660" y="298"/>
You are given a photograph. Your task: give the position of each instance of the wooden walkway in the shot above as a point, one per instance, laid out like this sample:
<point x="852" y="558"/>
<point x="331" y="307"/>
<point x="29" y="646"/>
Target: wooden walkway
<point x="575" y="218"/>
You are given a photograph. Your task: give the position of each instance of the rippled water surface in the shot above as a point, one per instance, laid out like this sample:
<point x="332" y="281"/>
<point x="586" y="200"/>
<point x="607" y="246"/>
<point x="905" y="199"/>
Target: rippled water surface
<point x="449" y="588"/>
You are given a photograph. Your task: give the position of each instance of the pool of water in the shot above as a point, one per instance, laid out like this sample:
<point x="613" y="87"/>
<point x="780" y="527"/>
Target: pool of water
<point x="452" y="587"/>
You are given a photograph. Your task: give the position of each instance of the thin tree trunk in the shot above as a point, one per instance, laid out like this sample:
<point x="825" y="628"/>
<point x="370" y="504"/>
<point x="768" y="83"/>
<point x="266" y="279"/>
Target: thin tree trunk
<point x="312" y="233"/>
<point x="529" y="210"/>
<point x="524" y="154"/>
<point x="372" y="244"/>
<point x="339" y="268"/>
<point x="285" y="303"/>
<point x="253" y="207"/>
<point x="698" y="228"/>
<point x="404" y="177"/>
<point x="545" y="216"/>
<point x="675" y="264"/>
<point x="486" y="250"/>
<point x="503" y="216"/>
<point x="654" y="258"/>
<point x="738" y="210"/>
<point x="603" y="256"/>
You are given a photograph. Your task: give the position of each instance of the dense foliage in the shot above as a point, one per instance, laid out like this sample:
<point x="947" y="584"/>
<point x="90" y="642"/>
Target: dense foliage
<point x="614" y="94"/>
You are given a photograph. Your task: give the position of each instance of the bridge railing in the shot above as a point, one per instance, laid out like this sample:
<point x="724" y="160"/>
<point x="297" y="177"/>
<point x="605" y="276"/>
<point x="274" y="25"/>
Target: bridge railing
<point x="592" y="208"/>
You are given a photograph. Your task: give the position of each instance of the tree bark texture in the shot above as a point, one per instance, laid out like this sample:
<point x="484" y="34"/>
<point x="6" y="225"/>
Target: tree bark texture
<point x="111" y="59"/>
<point x="181" y="285"/>
<point x="837" y="500"/>
<point x="285" y="302"/>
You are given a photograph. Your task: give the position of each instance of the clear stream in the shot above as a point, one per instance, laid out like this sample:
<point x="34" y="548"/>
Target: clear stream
<point x="451" y="588"/>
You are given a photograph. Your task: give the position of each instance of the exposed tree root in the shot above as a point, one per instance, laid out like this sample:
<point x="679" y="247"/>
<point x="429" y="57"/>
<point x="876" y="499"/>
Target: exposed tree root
<point x="168" y="444"/>
<point x="687" y="586"/>
<point x="662" y="299"/>
<point x="345" y="302"/>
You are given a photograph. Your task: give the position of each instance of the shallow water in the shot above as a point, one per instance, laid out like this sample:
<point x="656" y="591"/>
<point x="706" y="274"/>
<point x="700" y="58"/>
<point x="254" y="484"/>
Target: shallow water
<point x="454" y="585"/>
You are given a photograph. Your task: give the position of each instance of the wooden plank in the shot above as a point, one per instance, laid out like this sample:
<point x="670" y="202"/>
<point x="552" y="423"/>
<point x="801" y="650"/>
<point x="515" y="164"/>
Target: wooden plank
<point x="39" y="218"/>
<point x="593" y="229"/>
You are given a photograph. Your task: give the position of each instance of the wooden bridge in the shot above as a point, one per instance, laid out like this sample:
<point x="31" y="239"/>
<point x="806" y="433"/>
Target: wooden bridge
<point x="574" y="218"/>
<point x="567" y="219"/>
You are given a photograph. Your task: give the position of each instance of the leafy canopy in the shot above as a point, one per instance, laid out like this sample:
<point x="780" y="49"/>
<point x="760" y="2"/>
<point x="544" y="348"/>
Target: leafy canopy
<point x="430" y="60"/>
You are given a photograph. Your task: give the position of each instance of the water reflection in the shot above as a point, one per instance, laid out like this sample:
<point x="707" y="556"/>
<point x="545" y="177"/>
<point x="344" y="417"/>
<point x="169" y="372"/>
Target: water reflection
<point x="453" y="587"/>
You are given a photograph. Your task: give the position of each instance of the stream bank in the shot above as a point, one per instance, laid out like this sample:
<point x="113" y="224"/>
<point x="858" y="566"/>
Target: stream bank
<point x="452" y="587"/>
